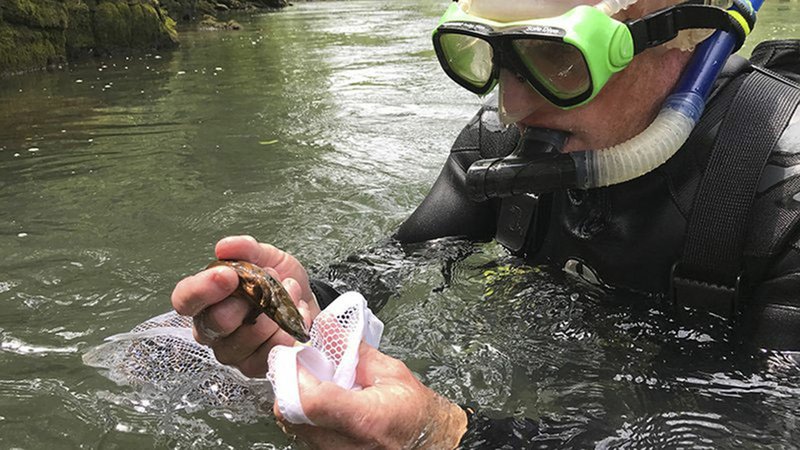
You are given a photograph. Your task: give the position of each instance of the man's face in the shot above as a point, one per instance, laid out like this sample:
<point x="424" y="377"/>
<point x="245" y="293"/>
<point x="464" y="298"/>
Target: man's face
<point x="624" y="107"/>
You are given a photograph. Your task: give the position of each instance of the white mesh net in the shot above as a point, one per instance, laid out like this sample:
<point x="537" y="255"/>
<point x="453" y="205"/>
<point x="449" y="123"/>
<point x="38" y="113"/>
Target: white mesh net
<point x="331" y="355"/>
<point x="329" y="334"/>
<point x="161" y="355"/>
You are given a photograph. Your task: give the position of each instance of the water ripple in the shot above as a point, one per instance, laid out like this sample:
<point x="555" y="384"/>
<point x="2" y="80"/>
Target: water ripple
<point x="17" y="346"/>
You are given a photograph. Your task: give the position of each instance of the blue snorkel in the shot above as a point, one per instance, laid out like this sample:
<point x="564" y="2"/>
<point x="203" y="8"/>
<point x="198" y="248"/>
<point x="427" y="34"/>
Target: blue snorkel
<point x="702" y="71"/>
<point x="536" y="166"/>
<point x="678" y="116"/>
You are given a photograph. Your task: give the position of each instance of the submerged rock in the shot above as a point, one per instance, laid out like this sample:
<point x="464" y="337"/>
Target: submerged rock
<point x="191" y="10"/>
<point x="211" y="23"/>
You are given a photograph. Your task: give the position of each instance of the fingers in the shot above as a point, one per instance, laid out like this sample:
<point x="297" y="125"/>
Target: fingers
<point x="238" y="247"/>
<point x="246" y="339"/>
<point x="195" y="293"/>
<point x="293" y="288"/>
<point x="324" y="403"/>
<point x="245" y="346"/>
<point x="249" y="249"/>
<point x="218" y="317"/>
<point x="267" y="256"/>
<point x="375" y="368"/>
<point x="255" y="366"/>
<point x="220" y="320"/>
<point x="286" y="265"/>
<point x="296" y="292"/>
<point x="220" y="326"/>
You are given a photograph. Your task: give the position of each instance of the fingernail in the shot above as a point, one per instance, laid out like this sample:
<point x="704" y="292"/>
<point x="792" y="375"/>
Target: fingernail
<point x="218" y="276"/>
<point x="289" y="283"/>
<point x="208" y="334"/>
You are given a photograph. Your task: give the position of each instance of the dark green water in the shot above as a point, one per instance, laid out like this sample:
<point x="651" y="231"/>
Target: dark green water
<point x="318" y="129"/>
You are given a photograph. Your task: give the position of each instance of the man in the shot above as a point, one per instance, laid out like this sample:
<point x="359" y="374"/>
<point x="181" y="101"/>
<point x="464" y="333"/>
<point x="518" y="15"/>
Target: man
<point x="626" y="236"/>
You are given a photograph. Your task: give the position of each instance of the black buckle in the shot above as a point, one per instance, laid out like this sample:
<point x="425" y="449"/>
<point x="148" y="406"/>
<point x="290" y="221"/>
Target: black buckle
<point x="517" y="215"/>
<point x="663" y="25"/>
<point x="719" y="299"/>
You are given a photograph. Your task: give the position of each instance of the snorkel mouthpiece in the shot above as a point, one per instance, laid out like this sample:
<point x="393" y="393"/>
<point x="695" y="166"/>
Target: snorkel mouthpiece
<point x="535" y="165"/>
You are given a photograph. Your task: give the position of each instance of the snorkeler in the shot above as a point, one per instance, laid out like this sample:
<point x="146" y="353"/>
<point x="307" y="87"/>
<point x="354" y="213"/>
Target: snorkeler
<point x="635" y="165"/>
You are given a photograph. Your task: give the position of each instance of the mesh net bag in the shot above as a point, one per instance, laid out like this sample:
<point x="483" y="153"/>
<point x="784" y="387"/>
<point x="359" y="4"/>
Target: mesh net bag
<point x="331" y="355"/>
<point x="162" y="356"/>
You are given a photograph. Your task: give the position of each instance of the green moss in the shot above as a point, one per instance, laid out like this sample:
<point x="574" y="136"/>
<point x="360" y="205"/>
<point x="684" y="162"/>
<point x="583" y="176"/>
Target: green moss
<point x="22" y="48"/>
<point x="35" y="13"/>
<point x="172" y="33"/>
<point x="123" y="25"/>
<point x="38" y="33"/>
<point x="152" y="30"/>
<point x="79" y="33"/>
<point x="106" y="18"/>
<point x="120" y="25"/>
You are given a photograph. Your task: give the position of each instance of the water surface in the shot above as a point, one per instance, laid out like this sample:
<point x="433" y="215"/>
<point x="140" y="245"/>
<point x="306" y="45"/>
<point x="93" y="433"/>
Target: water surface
<point x="318" y="129"/>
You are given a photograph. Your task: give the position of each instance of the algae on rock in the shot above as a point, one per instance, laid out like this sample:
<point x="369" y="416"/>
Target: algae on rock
<point x="40" y="33"/>
<point x="31" y="33"/>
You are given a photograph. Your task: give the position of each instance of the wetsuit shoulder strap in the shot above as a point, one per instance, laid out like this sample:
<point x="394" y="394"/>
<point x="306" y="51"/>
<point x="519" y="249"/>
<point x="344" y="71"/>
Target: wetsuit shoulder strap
<point x="710" y="274"/>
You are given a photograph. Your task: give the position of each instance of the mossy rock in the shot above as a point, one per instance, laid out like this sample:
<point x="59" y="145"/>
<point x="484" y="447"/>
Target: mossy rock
<point x="124" y="24"/>
<point x="188" y="10"/>
<point x="35" y="13"/>
<point x="24" y="48"/>
<point x="179" y="10"/>
<point x="210" y="23"/>
<point x="167" y="35"/>
<point x="270" y="3"/>
<point x="80" y="32"/>
<point x="107" y="21"/>
<point x="150" y="28"/>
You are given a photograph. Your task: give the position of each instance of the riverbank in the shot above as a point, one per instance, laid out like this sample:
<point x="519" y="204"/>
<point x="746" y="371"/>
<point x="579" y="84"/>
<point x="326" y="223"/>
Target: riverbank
<point x="36" y="34"/>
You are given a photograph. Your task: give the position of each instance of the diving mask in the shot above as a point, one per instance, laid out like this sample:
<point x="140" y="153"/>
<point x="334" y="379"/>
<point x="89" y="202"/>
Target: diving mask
<point x="569" y="58"/>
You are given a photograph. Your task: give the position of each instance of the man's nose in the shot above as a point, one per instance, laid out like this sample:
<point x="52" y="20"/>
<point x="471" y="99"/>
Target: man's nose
<point x="518" y="99"/>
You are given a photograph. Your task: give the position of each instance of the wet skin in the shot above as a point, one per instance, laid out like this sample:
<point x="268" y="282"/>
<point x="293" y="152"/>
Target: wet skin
<point x="267" y="296"/>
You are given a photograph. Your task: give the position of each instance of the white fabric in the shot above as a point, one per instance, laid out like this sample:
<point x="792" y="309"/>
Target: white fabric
<point x="331" y="355"/>
<point x="507" y="11"/>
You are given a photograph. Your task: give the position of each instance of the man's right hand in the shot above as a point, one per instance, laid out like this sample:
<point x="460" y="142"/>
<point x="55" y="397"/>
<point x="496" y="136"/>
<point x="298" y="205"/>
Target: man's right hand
<point x="218" y="317"/>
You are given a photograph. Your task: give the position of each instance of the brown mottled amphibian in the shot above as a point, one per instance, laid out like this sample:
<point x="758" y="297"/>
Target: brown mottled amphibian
<point x="267" y="296"/>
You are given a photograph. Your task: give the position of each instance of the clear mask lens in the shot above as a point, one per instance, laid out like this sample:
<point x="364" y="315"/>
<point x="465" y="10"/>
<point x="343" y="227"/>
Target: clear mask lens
<point x="559" y="67"/>
<point x="470" y="58"/>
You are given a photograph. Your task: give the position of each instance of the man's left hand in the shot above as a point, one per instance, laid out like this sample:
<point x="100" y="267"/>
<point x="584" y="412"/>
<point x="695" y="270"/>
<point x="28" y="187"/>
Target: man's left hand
<point x="393" y="410"/>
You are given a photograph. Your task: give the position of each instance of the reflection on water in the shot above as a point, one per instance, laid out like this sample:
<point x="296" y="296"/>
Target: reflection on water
<point x="319" y="129"/>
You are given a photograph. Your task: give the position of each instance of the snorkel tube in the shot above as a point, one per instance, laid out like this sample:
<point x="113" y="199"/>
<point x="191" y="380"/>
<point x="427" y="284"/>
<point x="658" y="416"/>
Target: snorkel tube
<point x="528" y="170"/>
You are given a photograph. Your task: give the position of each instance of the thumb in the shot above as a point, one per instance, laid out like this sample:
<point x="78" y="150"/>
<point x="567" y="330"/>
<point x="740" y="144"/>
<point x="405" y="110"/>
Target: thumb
<point x="293" y="288"/>
<point x="296" y="291"/>
<point x="306" y="381"/>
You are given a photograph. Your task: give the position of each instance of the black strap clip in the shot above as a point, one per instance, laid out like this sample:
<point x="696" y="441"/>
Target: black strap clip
<point x="720" y="299"/>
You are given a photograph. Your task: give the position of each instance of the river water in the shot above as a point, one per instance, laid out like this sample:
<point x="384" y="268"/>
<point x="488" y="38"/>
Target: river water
<point x="319" y="128"/>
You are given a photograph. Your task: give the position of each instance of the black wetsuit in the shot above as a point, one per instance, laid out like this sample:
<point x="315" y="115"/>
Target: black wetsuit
<point x="628" y="236"/>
